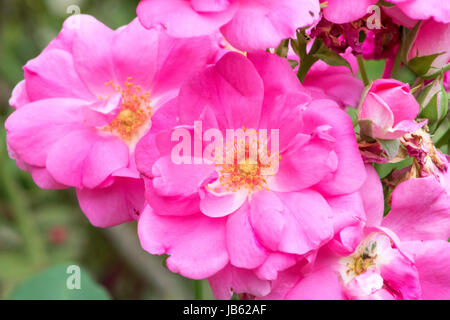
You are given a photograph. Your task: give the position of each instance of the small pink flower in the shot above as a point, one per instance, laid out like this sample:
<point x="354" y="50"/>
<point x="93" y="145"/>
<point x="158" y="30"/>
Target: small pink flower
<point x="248" y="25"/>
<point x="390" y="110"/>
<point x="85" y="103"/>
<point x="233" y="222"/>
<point x="405" y="256"/>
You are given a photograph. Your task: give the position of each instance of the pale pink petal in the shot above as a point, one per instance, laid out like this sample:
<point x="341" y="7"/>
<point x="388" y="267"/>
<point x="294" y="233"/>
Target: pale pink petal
<point x="19" y="96"/>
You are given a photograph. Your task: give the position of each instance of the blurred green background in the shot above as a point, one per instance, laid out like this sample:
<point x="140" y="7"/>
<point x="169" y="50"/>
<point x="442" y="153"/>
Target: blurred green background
<point x="43" y="229"/>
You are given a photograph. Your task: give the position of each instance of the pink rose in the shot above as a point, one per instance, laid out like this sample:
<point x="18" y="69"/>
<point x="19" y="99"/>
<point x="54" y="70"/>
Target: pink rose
<point x="234" y="222"/>
<point x="86" y="101"/>
<point x="389" y="110"/>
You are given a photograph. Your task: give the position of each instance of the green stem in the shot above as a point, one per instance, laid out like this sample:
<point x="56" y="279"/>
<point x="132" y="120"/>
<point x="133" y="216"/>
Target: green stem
<point x="438" y="72"/>
<point x="198" y="289"/>
<point x="362" y="70"/>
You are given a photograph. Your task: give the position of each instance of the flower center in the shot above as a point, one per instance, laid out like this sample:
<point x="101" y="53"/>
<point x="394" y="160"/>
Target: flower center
<point x="249" y="168"/>
<point x="362" y="260"/>
<point x="135" y="110"/>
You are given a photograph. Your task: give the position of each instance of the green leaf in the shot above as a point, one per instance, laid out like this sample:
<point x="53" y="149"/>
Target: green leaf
<point x="293" y="63"/>
<point x="406" y="75"/>
<point x="331" y="58"/>
<point x="421" y="65"/>
<point x="409" y="37"/>
<point x="385" y="3"/>
<point x="283" y="48"/>
<point x="433" y="101"/>
<point x="390" y="147"/>
<point x="51" y="284"/>
<point x="384" y="169"/>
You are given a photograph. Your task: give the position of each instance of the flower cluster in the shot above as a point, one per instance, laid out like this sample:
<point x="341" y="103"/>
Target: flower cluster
<point x="240" y="138"/>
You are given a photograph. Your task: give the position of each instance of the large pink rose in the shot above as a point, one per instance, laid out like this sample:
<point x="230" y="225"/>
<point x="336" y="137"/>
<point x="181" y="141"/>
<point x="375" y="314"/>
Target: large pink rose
<point x="247" y="24"/>
<point x="85" y="103"/>
<point x="390" y="110"/>
<point x="405" y="256"/>
<point x="237" y="222"/>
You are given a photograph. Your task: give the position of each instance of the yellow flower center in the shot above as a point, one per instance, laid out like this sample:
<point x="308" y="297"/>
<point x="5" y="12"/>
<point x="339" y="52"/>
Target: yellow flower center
<point x="135" y="112"/>
<point x="246" y="173"/>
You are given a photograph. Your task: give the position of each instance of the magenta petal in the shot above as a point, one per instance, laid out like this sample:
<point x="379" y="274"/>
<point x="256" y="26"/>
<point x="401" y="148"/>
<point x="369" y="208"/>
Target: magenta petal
<point x="53" y="75"/>
<point x="276" y="20"/>
<point x="84" y="159"/>
<point x="196" y="244"/>
<point x="214" y="204"/>
<point x="420" y="210"/>
<point x="432" y="260"/>
<point x="233" y="77"/>
<point x="267" y="218"/>
<point x="34" y="128"/>
<point x="373" y="197"/>
<point x="156" y="61"/>
<point x="244" y="248"/>
<point x="180" y="19"/>
<point x="44" y="179"/>
<point x="303" y="166"/>
<point x="308" y="222"/>
<point x="350" y="173"/>
<point x="348" y="222"/>
<point x="92" y="54"/>
<point x="344" y="11"/>
<point x="170" y="179"/>
<point x="114" y="205"/>
<point x="322" y="284"/>
<point x="275" y="263"/>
